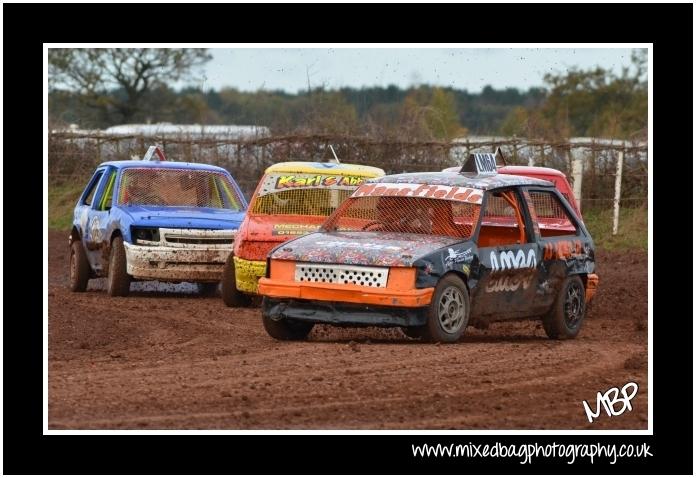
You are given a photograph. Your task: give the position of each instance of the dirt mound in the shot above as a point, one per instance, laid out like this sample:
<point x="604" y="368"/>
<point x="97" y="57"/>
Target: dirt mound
<point x="166" y="358"/>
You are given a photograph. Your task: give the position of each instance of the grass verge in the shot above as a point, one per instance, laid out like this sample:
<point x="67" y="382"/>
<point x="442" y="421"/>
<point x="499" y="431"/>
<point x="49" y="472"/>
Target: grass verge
<point x="632" y="233"/>
<point x="61" y="203"/>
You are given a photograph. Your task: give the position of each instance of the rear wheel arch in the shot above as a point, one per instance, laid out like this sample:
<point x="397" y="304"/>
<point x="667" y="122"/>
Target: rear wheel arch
<point x="581" y="275"/>
<point x="568" y="311"/>
<point x="583" y="278"/>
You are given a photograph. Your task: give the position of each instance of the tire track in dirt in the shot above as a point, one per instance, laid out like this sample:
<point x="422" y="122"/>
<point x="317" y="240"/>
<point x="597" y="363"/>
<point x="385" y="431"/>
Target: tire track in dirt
<point x="165" y="358"/>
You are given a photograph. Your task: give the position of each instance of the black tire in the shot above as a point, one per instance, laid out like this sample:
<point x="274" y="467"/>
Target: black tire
<point x="413" y="332"/>
<point x="118" y="281"/>
<point x="564" y="319"/>
<point x="230" y="295"/>
<point x="448" y="315"/>
<point x="79" y="268"/>
<point x="284" y="329"/>
<point x="208" y="289"/>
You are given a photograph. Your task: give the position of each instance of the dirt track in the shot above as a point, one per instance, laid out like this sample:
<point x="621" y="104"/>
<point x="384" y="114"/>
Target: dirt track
<point x="165" y="358"/>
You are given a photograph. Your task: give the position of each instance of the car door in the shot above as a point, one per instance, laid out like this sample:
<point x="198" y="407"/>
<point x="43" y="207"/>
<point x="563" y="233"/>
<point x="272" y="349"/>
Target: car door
<point x="508" y="257"/>
<point x="564" y="246"/>
<point x="96" y="232"/>
<point x="84" y="204"/>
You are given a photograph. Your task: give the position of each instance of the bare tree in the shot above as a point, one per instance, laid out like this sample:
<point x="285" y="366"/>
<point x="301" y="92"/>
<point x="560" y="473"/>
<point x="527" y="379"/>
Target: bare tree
<point x="92" y="72"/>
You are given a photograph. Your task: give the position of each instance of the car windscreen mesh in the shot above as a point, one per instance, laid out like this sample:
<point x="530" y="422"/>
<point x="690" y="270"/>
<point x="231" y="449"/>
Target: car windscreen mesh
<point x="301" y="202"/>
<point x="177" y="187"/>
<point x="414" y="215"/>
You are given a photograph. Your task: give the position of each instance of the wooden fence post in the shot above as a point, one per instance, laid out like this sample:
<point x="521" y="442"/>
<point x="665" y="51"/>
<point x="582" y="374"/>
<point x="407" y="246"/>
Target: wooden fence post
<point x="576" y="165"/>
<point x="617" y="192"/>
<point x="98" y="144"/>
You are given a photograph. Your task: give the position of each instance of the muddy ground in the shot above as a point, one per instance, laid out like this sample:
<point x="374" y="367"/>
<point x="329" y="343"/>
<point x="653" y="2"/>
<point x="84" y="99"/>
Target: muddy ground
<point x="166" y="358"/>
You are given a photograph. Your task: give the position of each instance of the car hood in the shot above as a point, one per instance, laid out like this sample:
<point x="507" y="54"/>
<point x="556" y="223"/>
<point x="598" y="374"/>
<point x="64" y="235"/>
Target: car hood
<point x="362" y="248"/>
<point x="184" y="217"/>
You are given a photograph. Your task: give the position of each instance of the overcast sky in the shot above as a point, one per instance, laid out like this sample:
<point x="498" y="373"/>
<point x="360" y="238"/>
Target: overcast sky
<point x="470" y="69"/>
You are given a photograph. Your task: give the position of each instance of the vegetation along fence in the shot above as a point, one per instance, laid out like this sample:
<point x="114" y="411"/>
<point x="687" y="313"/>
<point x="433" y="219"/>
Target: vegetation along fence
<point x="605" y="174"/>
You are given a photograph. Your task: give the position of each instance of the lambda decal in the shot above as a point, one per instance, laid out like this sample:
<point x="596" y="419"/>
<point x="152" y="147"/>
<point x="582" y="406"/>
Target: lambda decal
<point x="318" y="180"/>
<point x="485" y="162"/>
<point x="456" y="256"/>
<point x="452" y="193"/>
<point x="510" y="283"/>
<point x="512" y="260"/>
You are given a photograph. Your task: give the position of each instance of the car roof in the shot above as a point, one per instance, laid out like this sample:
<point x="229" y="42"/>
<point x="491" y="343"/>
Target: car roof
<point x="530" y="170"/>
<point x="467" y="180"/>
<point x="303" y="167"/>
<point x="519" y="170"/>
<point x="162" y="165"/>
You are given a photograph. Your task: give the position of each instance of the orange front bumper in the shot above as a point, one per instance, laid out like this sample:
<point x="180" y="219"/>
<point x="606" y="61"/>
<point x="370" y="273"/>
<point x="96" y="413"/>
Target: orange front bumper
<point x="591" y="288"/>
<point x="282" y="289"/>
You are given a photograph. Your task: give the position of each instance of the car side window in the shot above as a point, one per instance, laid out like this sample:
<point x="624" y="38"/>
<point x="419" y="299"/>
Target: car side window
<point x="503" y="221"/>
<point x="92" y="188"/>
<point x="551" y="215"/>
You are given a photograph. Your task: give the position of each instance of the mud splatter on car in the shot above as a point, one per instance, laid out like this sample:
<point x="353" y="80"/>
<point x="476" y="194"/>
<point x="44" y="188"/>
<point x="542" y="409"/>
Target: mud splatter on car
<point x="454" y="248"/>
<point x="154" y="220"/>
<point x="291" y="199"/>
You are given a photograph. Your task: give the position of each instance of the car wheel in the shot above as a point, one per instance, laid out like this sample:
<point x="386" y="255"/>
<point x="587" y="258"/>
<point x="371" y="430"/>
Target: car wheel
<point x="79" y="268"/>
<point x="413" y="332"/>
<point x="564" y="319"/>
<point x="208" y="289"/>
<point x="118" y="281"/>
<point x="448" y="315"/>
<point x="230" y="295"/>
<point x="284" y="329"/>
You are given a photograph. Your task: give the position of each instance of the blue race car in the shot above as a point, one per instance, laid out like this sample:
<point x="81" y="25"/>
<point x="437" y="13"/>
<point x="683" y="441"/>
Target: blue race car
<point x="154" y="220"/>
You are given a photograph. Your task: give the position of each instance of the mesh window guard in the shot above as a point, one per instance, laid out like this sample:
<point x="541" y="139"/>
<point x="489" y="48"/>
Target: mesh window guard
<point x="413" y="215"/>
<point x="551" y="214"/>
<point x="301" y="202"/>
<point x="177" y="187"/>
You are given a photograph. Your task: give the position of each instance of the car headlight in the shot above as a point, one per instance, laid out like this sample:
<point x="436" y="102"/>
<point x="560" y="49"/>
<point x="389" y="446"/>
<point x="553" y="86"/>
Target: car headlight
<point x="145" y="235"/>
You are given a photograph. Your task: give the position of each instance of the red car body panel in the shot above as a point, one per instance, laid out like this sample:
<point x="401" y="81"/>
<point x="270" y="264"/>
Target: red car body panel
<point x="548" y="174"/>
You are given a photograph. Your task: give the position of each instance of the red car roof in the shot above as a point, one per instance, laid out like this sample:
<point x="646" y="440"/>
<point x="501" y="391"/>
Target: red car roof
<point x="523" y="170"/>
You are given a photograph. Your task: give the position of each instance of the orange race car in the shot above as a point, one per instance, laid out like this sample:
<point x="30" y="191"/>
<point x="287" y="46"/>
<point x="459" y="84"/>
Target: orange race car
<point x="292" y="199"/>
<point x="435" y="252"/>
